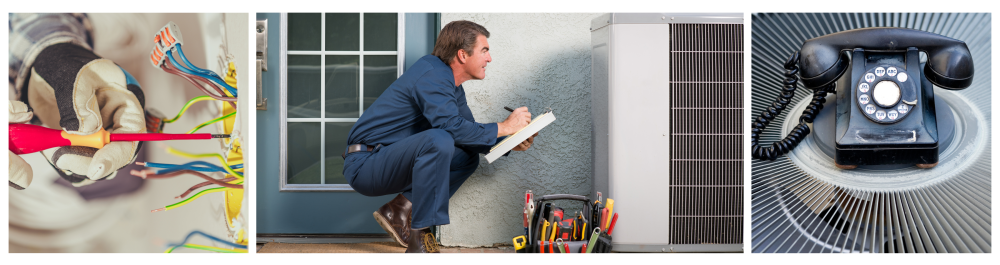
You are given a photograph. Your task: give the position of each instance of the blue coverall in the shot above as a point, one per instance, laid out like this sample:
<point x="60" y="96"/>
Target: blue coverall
<point x="430" y="143"/>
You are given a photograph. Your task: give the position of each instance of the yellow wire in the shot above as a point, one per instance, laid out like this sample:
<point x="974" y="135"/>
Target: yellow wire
<point x="225" y="165"/>
<point x="196" y="128"/>
<point x="209" y="248"/>
<point x="188" y="105"/>
<point x="196" y="196"/>
<point x="216" y="249"/>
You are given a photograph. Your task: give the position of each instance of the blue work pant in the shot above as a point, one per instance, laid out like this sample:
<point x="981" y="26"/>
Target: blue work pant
<point x="426" y="167"/>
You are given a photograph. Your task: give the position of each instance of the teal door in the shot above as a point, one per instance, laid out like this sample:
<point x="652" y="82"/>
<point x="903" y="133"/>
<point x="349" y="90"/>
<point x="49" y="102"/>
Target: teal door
<point x="323" y="71"/>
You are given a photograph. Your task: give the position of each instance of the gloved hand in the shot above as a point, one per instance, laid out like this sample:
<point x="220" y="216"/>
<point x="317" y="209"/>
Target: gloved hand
<point x="19" y="172"/>
<point x="72" y="88"/>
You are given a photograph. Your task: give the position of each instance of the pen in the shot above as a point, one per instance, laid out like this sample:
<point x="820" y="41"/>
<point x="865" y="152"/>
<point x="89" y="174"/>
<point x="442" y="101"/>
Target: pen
<point x="508" y="109"/>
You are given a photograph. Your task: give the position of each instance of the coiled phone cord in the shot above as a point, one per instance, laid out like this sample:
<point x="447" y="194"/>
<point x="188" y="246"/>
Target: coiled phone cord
<point x="802" y="130"/>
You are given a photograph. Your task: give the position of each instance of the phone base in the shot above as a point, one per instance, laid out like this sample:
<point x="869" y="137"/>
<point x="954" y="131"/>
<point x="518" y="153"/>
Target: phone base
<point x="922" y="156"/>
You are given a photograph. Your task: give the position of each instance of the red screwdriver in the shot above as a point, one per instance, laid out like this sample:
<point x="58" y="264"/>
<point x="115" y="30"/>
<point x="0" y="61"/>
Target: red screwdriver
<point x="27" y="138"/>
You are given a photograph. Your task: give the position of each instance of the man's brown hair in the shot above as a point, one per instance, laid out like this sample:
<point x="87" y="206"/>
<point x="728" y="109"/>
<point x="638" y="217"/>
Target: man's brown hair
<point x="457" y="35"/>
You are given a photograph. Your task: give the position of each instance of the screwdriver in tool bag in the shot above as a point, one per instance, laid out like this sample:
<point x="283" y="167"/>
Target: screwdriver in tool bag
<point x="611" y="210"/>
<point x="611" y="227"/>
<point x="27" y="138"/>
<point x="604" y="219"/>
<point x="529" y="209"/>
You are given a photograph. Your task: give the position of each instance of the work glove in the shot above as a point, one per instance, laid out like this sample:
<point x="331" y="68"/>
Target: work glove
<point x="19" y="172"/>
<point x="72" y="88"/>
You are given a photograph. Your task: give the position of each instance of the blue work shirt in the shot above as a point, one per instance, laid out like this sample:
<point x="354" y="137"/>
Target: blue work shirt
<point x="424" y="97"/>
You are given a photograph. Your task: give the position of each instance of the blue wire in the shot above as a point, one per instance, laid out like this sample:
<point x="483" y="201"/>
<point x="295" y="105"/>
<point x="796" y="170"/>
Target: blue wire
<point x="204" y="166"/>
<point x="180" y="53"/>
<point x="165" y="165"/>
<point x="216" y="80"/>
<point x="208" y="236"/>
<point x="195" y="165"/>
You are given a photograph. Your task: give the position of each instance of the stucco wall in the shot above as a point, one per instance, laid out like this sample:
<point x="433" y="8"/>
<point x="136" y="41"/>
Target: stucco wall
<point x="539" y="61"/>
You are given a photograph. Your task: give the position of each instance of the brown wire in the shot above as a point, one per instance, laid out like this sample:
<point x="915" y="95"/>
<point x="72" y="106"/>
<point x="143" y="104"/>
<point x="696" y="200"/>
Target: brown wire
<point x="169" y="68"/>
<point x="199" y="185"/>
<point x="187" y="171"/>
<point x="202" y="85"/>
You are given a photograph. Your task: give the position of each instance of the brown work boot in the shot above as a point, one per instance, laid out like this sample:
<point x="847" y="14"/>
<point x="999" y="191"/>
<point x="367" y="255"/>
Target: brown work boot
<point x="422" y="241"/>
<point x="395" y="217"/>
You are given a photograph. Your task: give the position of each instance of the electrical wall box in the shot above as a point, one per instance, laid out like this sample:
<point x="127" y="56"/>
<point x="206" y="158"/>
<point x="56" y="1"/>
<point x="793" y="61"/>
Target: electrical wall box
<point x="667" y="109"/>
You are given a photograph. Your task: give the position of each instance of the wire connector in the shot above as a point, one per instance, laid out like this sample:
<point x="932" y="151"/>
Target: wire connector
<point x="165" y="39"/>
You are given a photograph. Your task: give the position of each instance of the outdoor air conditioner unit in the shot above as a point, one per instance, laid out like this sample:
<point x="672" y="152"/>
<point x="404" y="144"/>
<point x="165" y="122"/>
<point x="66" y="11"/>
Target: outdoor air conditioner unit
<point x="667" y="109"/>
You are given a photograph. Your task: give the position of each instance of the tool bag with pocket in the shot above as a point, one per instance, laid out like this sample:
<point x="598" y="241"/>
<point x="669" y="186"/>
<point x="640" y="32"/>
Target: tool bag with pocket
<point x="554" y="230"/>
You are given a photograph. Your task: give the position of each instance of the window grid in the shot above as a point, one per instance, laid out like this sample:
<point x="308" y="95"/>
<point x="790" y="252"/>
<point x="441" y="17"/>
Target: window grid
<point x="322" y="120"/>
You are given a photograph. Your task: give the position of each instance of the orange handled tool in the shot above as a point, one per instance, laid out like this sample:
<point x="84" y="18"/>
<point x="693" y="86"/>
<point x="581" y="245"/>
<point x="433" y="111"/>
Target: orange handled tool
<point x="27" y="138"/>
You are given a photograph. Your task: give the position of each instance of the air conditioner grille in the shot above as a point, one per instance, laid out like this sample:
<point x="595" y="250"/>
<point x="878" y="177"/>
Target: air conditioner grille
<point x="706" y="134"/>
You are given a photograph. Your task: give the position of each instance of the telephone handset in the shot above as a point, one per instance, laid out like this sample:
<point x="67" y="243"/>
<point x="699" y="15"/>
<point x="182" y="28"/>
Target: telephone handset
<point x="885" y="102"/>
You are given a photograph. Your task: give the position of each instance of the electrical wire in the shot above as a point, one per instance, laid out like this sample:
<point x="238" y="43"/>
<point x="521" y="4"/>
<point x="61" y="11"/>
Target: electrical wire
<point x="204" y="85"/>
<point x="188" y="105"/>
<point x="206" y="183"/>
<point x="197" y="232"/>
<point x="146" y="175"/>
<point x="203" y="247"/>
<point x="216" y="80"/>
<point x="211" y="77"/>
<point x="193" y="165"/>
<point x="192" y="198"/>
<point x="225" y="165"/>
<point x="196" y="128"/>
<point x="172" y="68"/>
<point x="184" y="59"/>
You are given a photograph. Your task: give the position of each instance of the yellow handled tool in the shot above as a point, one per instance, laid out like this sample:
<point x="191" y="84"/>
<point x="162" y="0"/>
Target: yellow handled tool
<point x="611" y="210"/>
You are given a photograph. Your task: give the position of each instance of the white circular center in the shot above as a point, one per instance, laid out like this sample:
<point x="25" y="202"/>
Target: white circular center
<point x="886" y="93"/>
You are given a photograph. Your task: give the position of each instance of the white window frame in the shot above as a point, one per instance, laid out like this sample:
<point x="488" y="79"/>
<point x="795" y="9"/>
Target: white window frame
<point x="400" y="60"/>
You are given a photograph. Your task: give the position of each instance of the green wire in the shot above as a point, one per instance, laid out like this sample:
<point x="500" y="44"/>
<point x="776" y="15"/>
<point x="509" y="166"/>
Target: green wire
<point x="221" y="159"/>
<point x="211" y="121"/>
<point x="201" y="247"/>
<point x="196" y="195"/>
<point x="188" y="105"/>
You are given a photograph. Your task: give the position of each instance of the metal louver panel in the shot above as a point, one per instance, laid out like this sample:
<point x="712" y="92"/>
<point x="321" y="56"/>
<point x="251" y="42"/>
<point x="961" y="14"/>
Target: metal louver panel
<point x="805" y="207"/>
<point x="706" y="133"/>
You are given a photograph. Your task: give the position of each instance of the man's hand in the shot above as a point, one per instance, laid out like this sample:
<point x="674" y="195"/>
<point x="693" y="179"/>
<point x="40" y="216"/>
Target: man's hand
<point x="73" y="89"/>
<point x="515" y="122"/>
<point x="523" y="146"/>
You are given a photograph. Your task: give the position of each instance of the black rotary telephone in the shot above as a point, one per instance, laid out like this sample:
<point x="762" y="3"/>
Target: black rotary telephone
<point x="885" y="102"/>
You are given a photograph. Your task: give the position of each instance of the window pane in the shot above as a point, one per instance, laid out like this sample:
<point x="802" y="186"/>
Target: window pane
<point x="380" y="31"/>
<point x="342" y="84"/>
<point x="343" y="32"/>
<point x="303" y="31"/>
<point x="380" y="72"/>
<point x="303" y="86"/>
<point x="336" y="142"/>
<point x="303" y="153"/>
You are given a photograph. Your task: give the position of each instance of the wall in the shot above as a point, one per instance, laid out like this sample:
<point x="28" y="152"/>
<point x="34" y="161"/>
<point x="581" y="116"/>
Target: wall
<point x="539" y="61"/>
